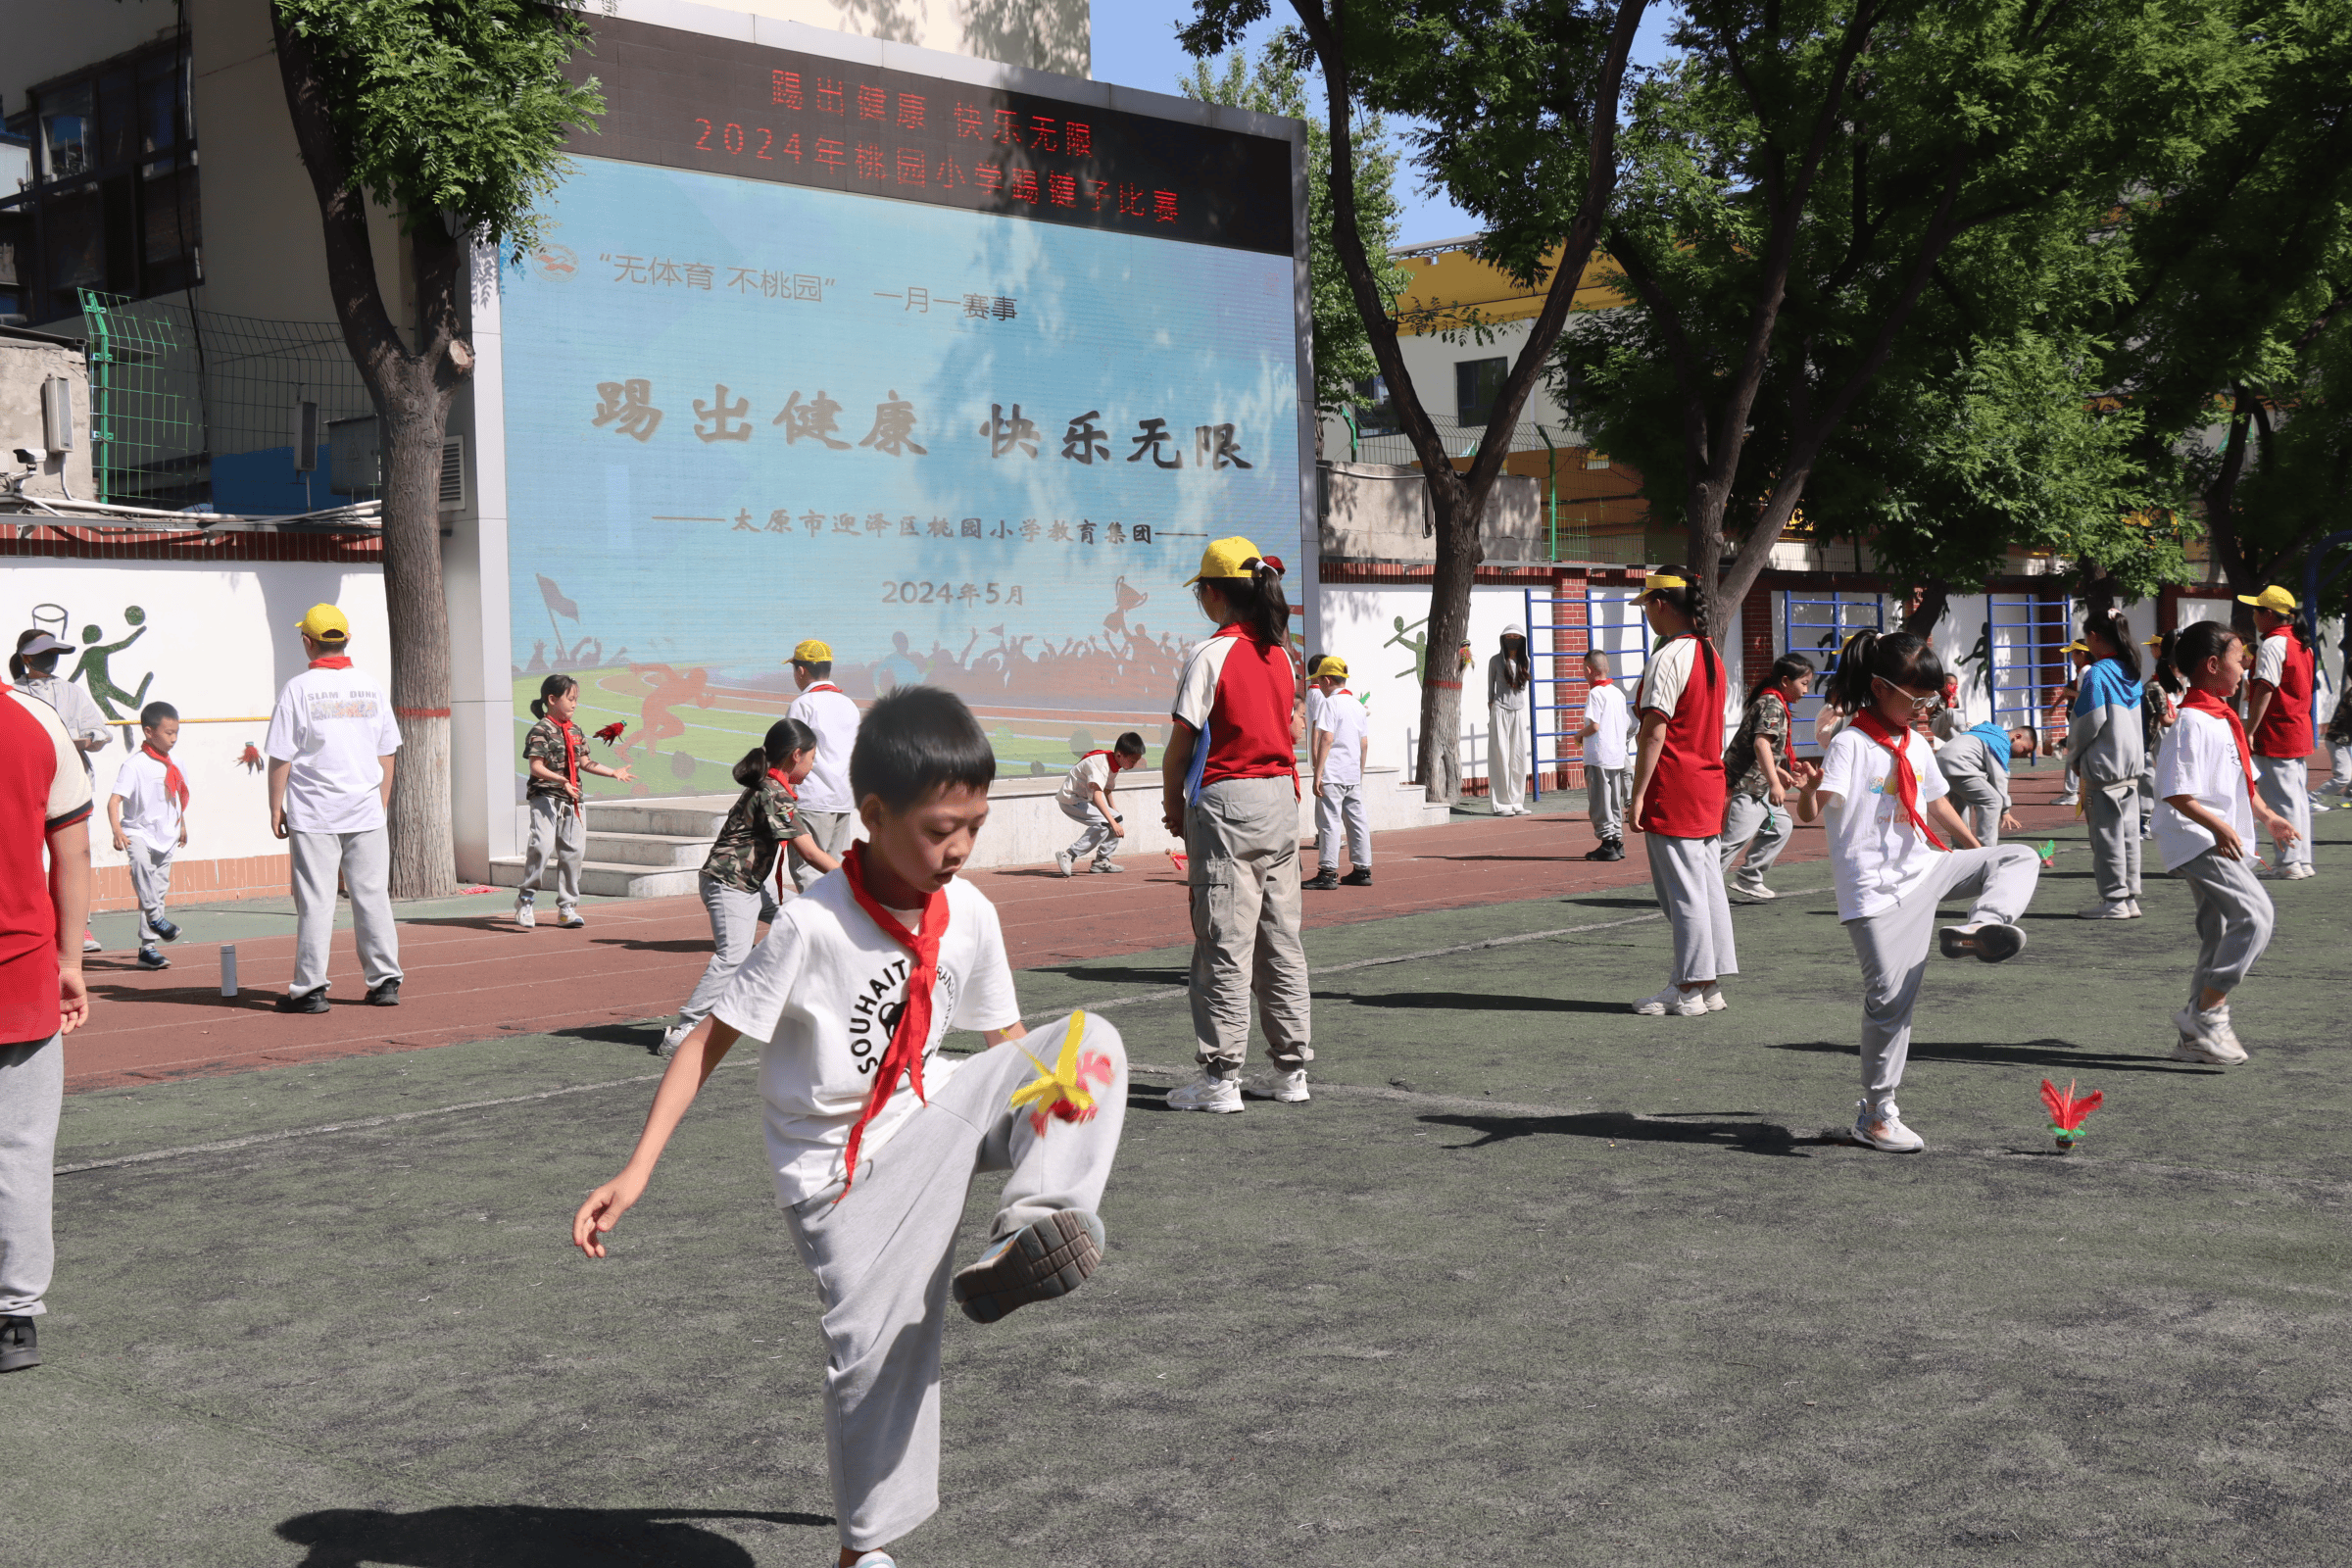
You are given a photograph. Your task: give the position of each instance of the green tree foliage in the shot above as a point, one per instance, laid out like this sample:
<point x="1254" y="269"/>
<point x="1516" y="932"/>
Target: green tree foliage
<point x="1275" y="84"/>
<point x="452" y="114"/>
<point x="1829" y="195"/>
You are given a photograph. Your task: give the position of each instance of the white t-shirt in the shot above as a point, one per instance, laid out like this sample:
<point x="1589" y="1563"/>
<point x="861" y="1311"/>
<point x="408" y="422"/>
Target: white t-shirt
<point x="2199" y="758"/>
<point x="1605" y="705"/>
<point x="834" y="717"/>
<point x="332" y="725"/>
<point x="1877" y="857"/>
<point x="1314" y="710"/>
<point x="2270" y="665"/>
<point x="1344" y="719"/>
<point x="1086" y="775"/>
<point x="1666" y="675"/>
<point x="823" y="989"/>
<point x="149" y="811"/>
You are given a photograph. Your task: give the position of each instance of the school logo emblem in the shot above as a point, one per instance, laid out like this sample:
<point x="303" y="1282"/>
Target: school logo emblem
<point x="555" y="262"/>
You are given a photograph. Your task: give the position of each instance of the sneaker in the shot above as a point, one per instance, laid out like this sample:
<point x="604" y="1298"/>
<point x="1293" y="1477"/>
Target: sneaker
<point x="2301" y="869"/>
<point x="1882" y="1127"/>
<point x="877" y="1559"/>
<point x="569" y="920"/>
<point x="1611" y="850"/>
<point x="1360" y="877"/>
<point x="164" y="930"/>
<point x="2111" y="910"/>
<point x="19" y="1345"/>
<point x="303" y="1001"/>
<point x="386" y="995"/>
<point x="90" y="942"/>
<point x="1290" y="1087"/>
<point x="671" y="1038"/>
<point x="2067" y="800"/>
<point x="527" y="913"/>
<point x="1756" y="892"/>
<point x="2207" y="1037"/>
<point x="2135" y="910"/>
<point x="1987" y="941"/>
<point x="1713" y="996"/>
<point x="1673" y="1003"/>
<point x="1064" y="862"/>
<point x="150" y="959"/>
<point x="1110" y="869"/>
<point x="1322" y="881"/>
<point x="1035" y="1264"/>
<point x="1208" y="1092"/>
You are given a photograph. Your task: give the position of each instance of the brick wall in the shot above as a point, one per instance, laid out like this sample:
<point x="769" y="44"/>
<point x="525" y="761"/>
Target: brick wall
<point x="197" y="881"/>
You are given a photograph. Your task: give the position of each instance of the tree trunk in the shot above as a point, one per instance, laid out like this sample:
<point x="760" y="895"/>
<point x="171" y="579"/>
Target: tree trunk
<point x="1933" y="596"/>
<point x="2098" y="589"/>
<point x="1439" y="766"/>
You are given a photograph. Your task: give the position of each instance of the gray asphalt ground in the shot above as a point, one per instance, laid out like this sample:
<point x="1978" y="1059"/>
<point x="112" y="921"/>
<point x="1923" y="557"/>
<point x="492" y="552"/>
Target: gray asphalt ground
<point x="1530" y="1280"/>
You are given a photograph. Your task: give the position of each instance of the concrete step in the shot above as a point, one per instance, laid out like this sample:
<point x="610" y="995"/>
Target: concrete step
<point x="652" y="850"/>
<point x="686" y="817"/>
<point x="617" y="879"/>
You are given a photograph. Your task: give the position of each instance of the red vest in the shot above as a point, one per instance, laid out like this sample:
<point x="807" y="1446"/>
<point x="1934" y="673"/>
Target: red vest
<point x="1685" y="794"/>
<point x="2285" y="727"/>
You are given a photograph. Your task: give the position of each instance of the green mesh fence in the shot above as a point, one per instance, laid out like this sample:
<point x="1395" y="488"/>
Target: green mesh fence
<point x="191" y="407"/>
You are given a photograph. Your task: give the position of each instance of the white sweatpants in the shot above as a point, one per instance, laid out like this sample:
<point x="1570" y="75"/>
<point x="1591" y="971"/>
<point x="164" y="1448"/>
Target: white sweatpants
<point x="150" y="881"/>
<point x="1098" y="841"/>
<point x="1894" y="944"/>
<point x="883" y="1257"/>
<point x="365" y="861"/>
<point x="1507" y="761"/>
<point x="2285" y="786"/>
<point x="1688" y="875"/>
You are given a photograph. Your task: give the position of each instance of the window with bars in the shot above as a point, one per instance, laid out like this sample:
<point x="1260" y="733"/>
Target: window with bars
<point x="107" y="193"/>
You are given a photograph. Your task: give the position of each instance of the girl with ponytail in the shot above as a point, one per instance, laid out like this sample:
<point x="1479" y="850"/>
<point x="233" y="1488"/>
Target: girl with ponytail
<point x="741" y="883"/>
<point x="1679" y="792"/>
<point x="554" y="754"/>
<point x="1887" y="804"/>
<point x="1759" y="769"/>
<point x="2106" y="749"/>
<point x="2279" y="716"/>
<point x="1229" y="790"/>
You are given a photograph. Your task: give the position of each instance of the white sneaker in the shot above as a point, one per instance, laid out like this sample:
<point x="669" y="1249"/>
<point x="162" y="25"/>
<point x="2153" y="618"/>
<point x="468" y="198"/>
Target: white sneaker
<point x="1713" y="996"/>
<point x="1110" y="869"/>
<point x="1756" y="891"/>
<point x="2301" y="869"/>
<point x="876" y="1559"/>
<point x="1882" y="1127"/>
<point x="2135" y="909"/>
<point x="1290" y="1087"/>
<point x="1064" y="862"/>
<point x="1208" y="1092"/>
<point x="671" y="1038"/>
<point x="1673" y="1003"/>
<point x="527" y="914"/>
<point x="2112" y="910"/>
<point x="2207" y="1037"/>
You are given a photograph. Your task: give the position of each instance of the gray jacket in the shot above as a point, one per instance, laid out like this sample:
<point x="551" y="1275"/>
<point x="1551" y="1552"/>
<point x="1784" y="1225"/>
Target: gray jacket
<point x="2106" y="744"/>
<point x="1976" y="776"/>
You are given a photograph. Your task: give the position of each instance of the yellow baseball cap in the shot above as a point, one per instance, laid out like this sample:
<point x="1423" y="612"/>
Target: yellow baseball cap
<point x="1658" y="582"/>
<point x="808" y="650"/>
<point x="2077" y="645"/>
<point x="324" y="623"/>
<point x="1331" y="665"/>
<point x="2275" y="598"/>
<point x="1229" y="557"/>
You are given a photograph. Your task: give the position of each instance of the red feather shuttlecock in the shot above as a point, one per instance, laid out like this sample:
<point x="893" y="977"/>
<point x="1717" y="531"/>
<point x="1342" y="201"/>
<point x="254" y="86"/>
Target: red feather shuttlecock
<point x="1176" y="860"/>
<point x="250" y="758"/>
<point x="2068" y="1114"/>
<point x="610" y="732"/>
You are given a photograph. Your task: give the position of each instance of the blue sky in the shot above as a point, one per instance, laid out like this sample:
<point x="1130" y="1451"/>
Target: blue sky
<point x="1134" y="45"/>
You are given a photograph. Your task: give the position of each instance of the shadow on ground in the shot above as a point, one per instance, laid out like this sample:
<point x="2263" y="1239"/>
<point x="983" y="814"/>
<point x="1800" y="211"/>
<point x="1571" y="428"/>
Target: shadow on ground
<point x="519" y="1537"/>
<point x="1618" y="1126"/>
<point x="2027" y="1053"/>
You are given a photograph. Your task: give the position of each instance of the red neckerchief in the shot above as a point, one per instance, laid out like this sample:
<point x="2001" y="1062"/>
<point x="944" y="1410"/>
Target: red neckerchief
<point x="331" y="662"/>
<point x="174" y="785"/>
<point x="905" y="1054"/>
<point x="2204" y="702"/>
<point x="813" y="687"/>
<point x="571" y="760"/>
<point x="1788" y="722"/>
<point x="1906" y="783"/>
<point x="784" y="783"/>
<point x="1116" y="766"/>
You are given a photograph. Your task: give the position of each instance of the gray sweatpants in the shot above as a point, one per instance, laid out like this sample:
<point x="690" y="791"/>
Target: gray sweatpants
<point x="1608" y="791"/>
<point x="883" y="1257"/>
<point x="1755" y="824"/>
<point x="2285" y="786"/>
<point x="365" y="861"/>
<point x="1688" y="875"/>
<point x="1241" y="840"/>
<point x="833" y="831"/>
<point x="735" y="917"/>
<point x="2112" y="812"/>
<point x="558" y="833"/>
<point x="2234" y="919"/>
<point x="1098" y="840"/>
<point x="1334" y="804"/>
<point x="32" y="1091"/>
<point x="150" y="881"/>
<point x="2339" y="774"/>
<point x="1894" y="944"/>
<point x="1983" y="814"/>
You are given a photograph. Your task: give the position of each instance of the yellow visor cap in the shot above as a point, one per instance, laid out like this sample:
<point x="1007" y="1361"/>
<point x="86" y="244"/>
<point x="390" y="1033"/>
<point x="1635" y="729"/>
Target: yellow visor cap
<point x="1333" y="666"/>
<point x="1226" y="557"/>
<point x="2275" y="598"/>
<point x="812" y="651"/>
<point x="324" y="623"/>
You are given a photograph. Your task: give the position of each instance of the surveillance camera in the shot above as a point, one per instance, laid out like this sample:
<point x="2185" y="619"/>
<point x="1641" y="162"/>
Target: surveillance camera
<point x="25" y="455"/>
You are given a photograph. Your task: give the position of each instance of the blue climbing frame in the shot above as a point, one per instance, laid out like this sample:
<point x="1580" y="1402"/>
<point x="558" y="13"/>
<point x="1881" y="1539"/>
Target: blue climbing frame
<point x="2028" y="636"/>
<point x="1614" y="623"/>
<point x="1816" y="625"/>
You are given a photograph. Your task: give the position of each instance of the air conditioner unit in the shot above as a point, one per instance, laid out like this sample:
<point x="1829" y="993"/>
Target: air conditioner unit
<point x="453" y="473"/>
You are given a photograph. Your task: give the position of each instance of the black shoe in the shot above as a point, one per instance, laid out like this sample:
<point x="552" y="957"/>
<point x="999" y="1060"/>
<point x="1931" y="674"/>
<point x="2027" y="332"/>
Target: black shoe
<point x="150" y="959"/>
<point x="386" y="995"/>
<point x="164" y="930"/>
<point x="19" y="1345"/>
<point x="1322" y="881"/>
<point x="304" y="1002"/>
<point x="1360" y="877"/>
<point x="1611" y="850"/>
<point x="1051" y="1257"/>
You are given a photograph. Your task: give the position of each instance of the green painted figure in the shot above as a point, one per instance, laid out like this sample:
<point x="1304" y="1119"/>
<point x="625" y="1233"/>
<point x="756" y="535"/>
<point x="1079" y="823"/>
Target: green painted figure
<point x="92" y="670"/>
<point x="1419" y="644"/>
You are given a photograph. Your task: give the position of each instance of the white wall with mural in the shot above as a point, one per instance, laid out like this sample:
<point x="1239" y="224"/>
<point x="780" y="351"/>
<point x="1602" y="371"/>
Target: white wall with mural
<point x="217" y="642"/>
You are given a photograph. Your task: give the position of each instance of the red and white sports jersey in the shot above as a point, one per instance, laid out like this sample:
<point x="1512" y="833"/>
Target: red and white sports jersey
<point x="1685" y="681"/>
<point x="42" y="788"/>
<point x="1238" y="692"/>
<point x="2284" y="665"/>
